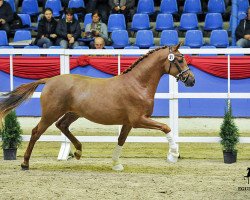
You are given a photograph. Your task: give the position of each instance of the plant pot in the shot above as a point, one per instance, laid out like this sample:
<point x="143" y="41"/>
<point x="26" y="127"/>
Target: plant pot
<point x="229" y="157"/>
<point x="9" y="154"/>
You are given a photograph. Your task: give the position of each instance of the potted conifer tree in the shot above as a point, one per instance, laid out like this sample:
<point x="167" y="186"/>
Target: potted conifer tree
<point x="11" y="136"/>
<point x="229" y="134"/>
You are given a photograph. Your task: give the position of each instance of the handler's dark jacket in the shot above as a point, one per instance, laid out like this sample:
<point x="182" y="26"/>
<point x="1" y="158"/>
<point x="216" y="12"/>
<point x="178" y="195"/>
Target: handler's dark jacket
<point x="128" y="3"/>
<point x="63" y="28"/>
<point x="6" y="12"/>
<point x="242" y="29"/>
<point x="46" y="28"/>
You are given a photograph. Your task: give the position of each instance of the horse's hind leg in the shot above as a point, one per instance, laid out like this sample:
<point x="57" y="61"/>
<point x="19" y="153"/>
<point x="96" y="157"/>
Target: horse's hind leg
<point x="118" y="149"/>
<point x="36" y="133"/>
<point x="63" y="125"/>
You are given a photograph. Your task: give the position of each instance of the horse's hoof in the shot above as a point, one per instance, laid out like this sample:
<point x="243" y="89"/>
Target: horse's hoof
<point x="24" y="167"/>
<point x="118" y="167"/>
<point x="78" y="154"/>
<point x="172" y="158"/>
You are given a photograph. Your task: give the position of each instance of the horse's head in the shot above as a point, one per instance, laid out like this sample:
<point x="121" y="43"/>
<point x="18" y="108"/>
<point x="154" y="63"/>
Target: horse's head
<point x="176" y="66"/>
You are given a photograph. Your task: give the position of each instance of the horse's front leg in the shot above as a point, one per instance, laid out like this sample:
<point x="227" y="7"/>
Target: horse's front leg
<point x="117" y="166"/>
<point x="145" y="122"/>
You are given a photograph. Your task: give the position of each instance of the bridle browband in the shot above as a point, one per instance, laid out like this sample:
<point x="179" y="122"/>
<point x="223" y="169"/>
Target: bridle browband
<point x="172" y="58"/>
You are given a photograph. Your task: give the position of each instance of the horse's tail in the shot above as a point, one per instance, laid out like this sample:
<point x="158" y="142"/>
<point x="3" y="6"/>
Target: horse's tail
<point x="14" y="98"/>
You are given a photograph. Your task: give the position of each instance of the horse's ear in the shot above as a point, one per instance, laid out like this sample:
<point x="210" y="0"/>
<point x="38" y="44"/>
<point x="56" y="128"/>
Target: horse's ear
<point x="177" y="46"/>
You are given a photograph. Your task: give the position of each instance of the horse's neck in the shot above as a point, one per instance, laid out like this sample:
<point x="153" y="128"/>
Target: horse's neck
<point x="148" y="72"/>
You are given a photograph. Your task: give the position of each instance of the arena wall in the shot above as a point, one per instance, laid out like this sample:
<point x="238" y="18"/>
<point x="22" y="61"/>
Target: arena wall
<point x="187" y="107"/>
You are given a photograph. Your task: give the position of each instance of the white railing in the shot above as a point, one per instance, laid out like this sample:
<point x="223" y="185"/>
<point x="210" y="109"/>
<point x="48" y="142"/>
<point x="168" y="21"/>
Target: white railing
<point x="173" y="94"/>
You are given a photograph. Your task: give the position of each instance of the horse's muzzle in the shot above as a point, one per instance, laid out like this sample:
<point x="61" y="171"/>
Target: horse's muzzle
<point x="190" y="82"/>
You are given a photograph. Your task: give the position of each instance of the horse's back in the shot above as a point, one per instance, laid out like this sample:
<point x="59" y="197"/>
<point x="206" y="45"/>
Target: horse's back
<point x="70" y="80"/>
<point x="58" y="89"/>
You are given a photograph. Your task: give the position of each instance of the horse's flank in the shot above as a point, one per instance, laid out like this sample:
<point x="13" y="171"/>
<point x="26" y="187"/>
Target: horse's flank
<point x="102" y="101"/>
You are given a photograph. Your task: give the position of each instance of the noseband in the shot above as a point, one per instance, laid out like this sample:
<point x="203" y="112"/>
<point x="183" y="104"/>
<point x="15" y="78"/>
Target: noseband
<point x="173" y="60"/>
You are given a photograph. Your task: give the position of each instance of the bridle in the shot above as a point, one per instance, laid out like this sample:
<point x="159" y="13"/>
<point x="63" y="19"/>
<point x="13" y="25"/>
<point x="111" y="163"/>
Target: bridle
<point x="173" y="60"/>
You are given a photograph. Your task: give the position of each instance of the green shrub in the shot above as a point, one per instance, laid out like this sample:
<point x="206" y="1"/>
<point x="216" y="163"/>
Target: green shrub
<point x="11" y="132"/>
<point x="229" y="132"/>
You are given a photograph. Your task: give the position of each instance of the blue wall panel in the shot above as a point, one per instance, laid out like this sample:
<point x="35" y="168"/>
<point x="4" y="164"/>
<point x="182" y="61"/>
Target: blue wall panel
<point x="201" y="107"/>
<point x="205" y="82"/>
<point x="32" y="106"/>
<point x="242" y="85"/>
<point x="187" y="107"/>
<point x="241" y="107"/>
<point x="29" y="108"/>
<point x="4" y="82"/>
<point x="161" y="107"/>
<point x="90" y="71"/>
<point x="163" y="84"/>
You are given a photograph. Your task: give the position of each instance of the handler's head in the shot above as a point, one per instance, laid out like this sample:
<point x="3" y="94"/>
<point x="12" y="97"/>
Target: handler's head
<point x="99" y="43"/>
<point x="248" y="13"/>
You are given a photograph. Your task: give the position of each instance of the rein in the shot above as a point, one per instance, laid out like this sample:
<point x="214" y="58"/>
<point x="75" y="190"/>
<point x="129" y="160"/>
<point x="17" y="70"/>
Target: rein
<point x="173" y="60"/>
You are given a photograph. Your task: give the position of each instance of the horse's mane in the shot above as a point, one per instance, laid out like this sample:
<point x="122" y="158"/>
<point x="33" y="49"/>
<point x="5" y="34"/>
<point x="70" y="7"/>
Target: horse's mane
<point x="141" y="58"/>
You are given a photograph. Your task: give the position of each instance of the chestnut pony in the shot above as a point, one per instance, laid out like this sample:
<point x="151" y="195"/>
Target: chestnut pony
<point x="126" y="100"/>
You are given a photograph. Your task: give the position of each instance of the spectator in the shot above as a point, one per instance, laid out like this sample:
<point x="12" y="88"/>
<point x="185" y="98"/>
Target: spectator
<point x="180" y="4"/>
<point x="125" y="7"/>
<point x="101" y="6"/>
<point x="68" y="30"/>
<point x="65" y="3"/>
<point x="97" y="28"/>
<point x="76" y="10"/>
<point x="46" y="33"/>
<point x="157" y="2"/>
<point x="99" y="43"/>
<point x="6" y="16"/>
<point x="16" y="4"/>
<point x="242" y="32"/>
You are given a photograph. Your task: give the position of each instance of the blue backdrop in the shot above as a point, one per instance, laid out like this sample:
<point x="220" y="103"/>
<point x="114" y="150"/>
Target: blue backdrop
<point x="187" y="107"/>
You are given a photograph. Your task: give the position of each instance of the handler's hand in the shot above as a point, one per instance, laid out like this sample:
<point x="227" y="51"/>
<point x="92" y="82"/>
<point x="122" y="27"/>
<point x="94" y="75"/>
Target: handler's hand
<point x="2" y="21"/>
<point x="69" y="36"/>
<point x="72" y="40"/>
<point x="53" y="35"/>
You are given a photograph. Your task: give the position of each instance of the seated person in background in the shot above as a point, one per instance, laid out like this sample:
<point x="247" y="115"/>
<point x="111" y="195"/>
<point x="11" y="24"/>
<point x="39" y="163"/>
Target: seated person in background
<point x="6" y="16"/>
<point x="101" y="6"/>
<point x="157" y="2"/>
<point x="77" y="9"/>
<point x="16" y="4"/>
<point x="68" y="30"/>
<point x="122" y="6"/>
<point x="65" y="3"/>
<point x="99" y="43"/>
<point x="242" y="32"/>
<point x="46" y="33"/>
<point x="97" y="29"/>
